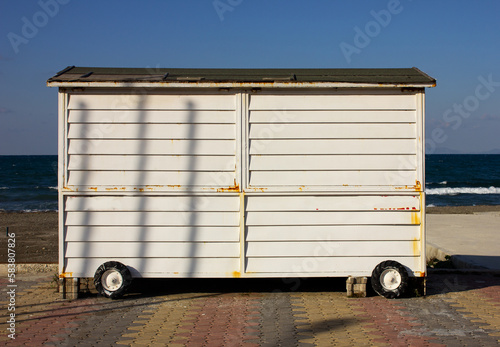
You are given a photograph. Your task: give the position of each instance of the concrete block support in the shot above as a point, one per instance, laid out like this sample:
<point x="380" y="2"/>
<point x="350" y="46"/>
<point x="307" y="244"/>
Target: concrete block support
<point x="69" y="288"/>
<point x="356" y="287"/>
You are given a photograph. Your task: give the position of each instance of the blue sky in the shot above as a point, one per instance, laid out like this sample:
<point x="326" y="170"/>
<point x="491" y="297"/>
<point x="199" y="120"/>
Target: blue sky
<point x="456" y="42"/>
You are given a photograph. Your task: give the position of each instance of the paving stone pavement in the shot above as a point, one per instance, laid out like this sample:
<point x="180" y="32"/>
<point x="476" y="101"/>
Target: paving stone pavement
<point x="459" y="310"/>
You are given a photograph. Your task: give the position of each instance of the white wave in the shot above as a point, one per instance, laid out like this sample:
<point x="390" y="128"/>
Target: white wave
<point x="431" y="205"/>
<point x="4" y="188"/>
<point x="463" y="190"/>
<point x="53" y="188"/>
<point x="29" y="210"/>
<point x="444" y="182"/>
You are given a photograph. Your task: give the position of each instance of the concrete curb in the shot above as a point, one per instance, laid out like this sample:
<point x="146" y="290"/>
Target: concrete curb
<point x="435" y="252"/>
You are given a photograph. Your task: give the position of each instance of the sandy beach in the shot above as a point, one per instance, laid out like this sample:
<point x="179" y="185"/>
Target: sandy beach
<point x="36" y="232"/>
<point x="36" y="236"/>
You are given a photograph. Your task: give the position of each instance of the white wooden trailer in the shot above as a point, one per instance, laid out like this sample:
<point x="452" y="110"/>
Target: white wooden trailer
<point x="241" y="173"/>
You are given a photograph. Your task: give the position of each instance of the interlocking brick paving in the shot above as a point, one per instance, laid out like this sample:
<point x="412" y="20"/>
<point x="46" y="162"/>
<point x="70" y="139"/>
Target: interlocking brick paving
<point x="460" y="310"/>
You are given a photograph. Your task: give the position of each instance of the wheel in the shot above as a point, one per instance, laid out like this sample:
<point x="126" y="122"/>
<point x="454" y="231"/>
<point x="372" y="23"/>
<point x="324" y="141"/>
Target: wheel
<point x="389" y="279"/>
<point x="112" y="279"/>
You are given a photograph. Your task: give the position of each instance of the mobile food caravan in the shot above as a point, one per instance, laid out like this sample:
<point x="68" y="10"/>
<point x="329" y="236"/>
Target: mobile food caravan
<point x="211" y="173"/>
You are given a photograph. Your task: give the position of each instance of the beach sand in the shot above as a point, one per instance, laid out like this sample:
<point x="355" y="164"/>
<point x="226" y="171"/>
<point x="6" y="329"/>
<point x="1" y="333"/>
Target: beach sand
<point x="36" y="232"/>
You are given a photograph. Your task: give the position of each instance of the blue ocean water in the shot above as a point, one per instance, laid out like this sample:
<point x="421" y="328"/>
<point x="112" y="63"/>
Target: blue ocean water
<point x="29" y="183"/>
<point x="462" y="179"/>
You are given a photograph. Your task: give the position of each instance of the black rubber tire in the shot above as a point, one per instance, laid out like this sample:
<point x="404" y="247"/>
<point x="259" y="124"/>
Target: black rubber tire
<point x="379" y="288"/>
<point x="118" y="269"/>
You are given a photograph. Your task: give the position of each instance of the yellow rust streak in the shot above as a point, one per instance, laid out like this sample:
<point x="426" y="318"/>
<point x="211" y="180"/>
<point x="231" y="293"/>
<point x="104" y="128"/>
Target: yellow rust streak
<point x="66" y="275"/>
<point x="235" y="188"/>
<point x="93" y="188"/>
<point x="417" y="187"/>
<point x="415" y="218"/>
<point x="236" y="274"/>
<point x="416" y="246"/>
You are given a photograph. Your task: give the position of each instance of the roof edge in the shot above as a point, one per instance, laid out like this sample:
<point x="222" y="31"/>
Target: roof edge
<point x="198" y="84"/>
<point x="231" y="77"/>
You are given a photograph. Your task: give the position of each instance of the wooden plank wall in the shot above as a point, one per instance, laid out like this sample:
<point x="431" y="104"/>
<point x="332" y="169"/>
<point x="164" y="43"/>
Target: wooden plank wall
<point x="333" y="141"/>
<point x="128" y="155"/>
<point x="154" y="142"/>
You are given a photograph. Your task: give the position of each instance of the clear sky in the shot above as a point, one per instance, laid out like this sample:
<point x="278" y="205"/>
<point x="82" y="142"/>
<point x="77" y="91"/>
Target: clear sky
<point x="456" y="42"/>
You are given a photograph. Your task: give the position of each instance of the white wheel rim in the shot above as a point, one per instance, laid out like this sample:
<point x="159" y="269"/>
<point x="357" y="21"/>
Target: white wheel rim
<point x="390" y="279"/>
<point x="111" y="280"/>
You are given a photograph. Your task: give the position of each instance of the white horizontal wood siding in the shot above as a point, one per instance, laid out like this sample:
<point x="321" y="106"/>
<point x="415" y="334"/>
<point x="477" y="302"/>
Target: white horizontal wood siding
<point x="190" y="230"/>
<point x="333" y="141"/>
<point x="241" y="184"/>
<point x="156" y="142"/>
<point x="333" y="234"/>
<point x="324" y="266"/>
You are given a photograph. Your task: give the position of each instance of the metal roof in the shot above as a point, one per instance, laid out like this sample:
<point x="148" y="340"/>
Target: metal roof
<point x="154" y="77"/>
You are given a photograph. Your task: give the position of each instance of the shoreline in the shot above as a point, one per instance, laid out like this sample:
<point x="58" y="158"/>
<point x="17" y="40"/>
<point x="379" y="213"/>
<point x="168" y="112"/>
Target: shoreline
<point x="467" y="209"/>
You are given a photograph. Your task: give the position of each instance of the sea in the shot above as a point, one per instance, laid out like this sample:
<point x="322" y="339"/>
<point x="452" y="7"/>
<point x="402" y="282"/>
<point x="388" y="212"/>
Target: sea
<point x="29" y="183"/>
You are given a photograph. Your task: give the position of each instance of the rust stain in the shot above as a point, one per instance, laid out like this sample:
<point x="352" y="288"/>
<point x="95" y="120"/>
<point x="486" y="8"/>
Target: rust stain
<point x="229" y="189"/>
<point x="418" y="186"/>
<point x="67" y="189"/>
<point x="392" y="208"/>
<point x="93" y="188"/>
<point x="236" y="274"/>
<point x="141" y="189"/>
<point x="235" y="188"/>
<point x="66" y="275"/>
<point x="416" y="247"/>
<point x="174" y="186"/>
<point x="116" y="188"/>
<point x="415" y="218"/>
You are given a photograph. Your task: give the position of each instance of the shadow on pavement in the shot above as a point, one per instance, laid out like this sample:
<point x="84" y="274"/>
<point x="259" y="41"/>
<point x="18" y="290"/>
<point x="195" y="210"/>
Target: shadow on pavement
<point x="158" y="287"/>
<point x="439" y="283"/>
